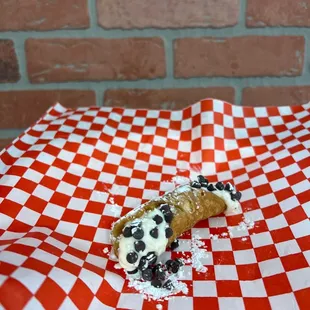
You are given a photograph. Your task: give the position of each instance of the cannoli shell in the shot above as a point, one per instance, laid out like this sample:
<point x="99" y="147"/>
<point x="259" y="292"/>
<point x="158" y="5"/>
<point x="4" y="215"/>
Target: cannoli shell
<point x="189" y="205"/>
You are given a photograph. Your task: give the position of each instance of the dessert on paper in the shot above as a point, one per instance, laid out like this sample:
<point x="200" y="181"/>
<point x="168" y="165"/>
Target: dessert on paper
<point x="141" y="236"/>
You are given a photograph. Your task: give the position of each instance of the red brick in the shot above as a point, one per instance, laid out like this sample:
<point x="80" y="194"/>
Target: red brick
<point x="4" y="143"/>
<point x="171" y="99"/>
<point x="60" y="60"/>
<point x="266" y="13"/>
<point x="167" y="14"/>
<point x="9" y="69"/>
<point x="239" y="56"/>
<point x="20" y="109"/>
<point x="279" y="96"/>
<point x="43" y="15"/>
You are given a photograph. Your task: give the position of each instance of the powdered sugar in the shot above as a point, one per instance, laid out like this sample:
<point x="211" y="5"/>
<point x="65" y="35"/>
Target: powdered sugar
<point x="180" y="180"/>
<point x="214" y="237"/>
<point x="116" y="189"/>
<point x="198" y="253"/>
<point x="152" y="293"/>
<point x="249" y="223"/>
<point x="241" y="229"/>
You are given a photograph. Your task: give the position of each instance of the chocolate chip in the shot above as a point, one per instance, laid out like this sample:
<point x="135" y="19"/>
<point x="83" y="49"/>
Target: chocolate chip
<point x="238" y="196"/>
<point x="139" y="246"/>
<point x="158" y="219"/>
<point x="235" y="196"/>
<point x="137" y="233"/>
<point x="204" y="184"/>
<point x="219" y="186"/>
<point x="136" y="223"/>
<point x="165" y="208"/>
<point x="168" y="232"/>
<point x="159" y="272"/>
<point x="228" y="187"/>
<point x="156" y="283"/>
<point x="202" y="179"/>
<point x="132" y="257"/>
<point x="195" y="184"/>
<point x="151" y="257"/>
<point x="174" y="244"/>
<point x="147" y="274"/>
<point x="175" y="267"/>
<point x="168" y="217"/>
<point x="147" y="260"/>
<point x="154" y="232"/>
<point x="211" y="187"/>
<point x="127" y="232"/>
<point x="168" y="285"/>
<point x="143" y="264"/>
<point x="168" y="263"/>
<point x="133" y="271"/>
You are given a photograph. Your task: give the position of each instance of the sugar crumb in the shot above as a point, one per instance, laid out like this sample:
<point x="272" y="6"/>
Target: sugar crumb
<point x="199" y="253"/>
<point x="152" y="293"/>
<point x="117" y="266"/>
<point x="214" y="237"/>
<point x="180" y="180"/>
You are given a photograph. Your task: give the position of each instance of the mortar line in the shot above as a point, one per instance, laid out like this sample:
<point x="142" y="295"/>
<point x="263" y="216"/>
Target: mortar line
<point x="242" y="16"/>
<point x="165" y="83"/>
<point x="241" y="27"/>
<point x="169" y="57"/>
<point x="99" y="97"/>
<point x="10" y="133"/>
<point x="306" y="68"/>
<point x="19" y="45"/>
<point x="92" y="11"/>
<point x="96" y="31"/>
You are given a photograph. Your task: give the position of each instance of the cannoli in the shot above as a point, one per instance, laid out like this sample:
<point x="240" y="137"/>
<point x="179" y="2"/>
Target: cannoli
<point x="144" y="233"/>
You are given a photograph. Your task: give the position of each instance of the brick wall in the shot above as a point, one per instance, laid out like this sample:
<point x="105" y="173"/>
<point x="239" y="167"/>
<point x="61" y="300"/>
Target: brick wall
<point x="156" y="53"/>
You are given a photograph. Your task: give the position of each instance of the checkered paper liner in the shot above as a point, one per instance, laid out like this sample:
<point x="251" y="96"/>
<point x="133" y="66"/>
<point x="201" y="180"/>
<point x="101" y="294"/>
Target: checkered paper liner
<point x="71" y="175"/>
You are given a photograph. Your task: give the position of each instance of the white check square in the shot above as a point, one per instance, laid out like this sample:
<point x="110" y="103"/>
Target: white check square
<point x="204" y="289"/>
<point x="54" y="211"/>
<point x="270" y="267"/>
<point x="225" y="272"/>
<point x="253" y="288"/>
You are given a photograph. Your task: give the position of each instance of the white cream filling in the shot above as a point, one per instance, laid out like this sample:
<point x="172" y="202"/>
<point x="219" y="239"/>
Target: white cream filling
<point x="158" y="245"/>
<point x="233" y="206"/>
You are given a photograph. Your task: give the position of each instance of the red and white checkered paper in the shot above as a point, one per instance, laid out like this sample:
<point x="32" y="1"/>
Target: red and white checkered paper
<point x="71" y="175"/>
